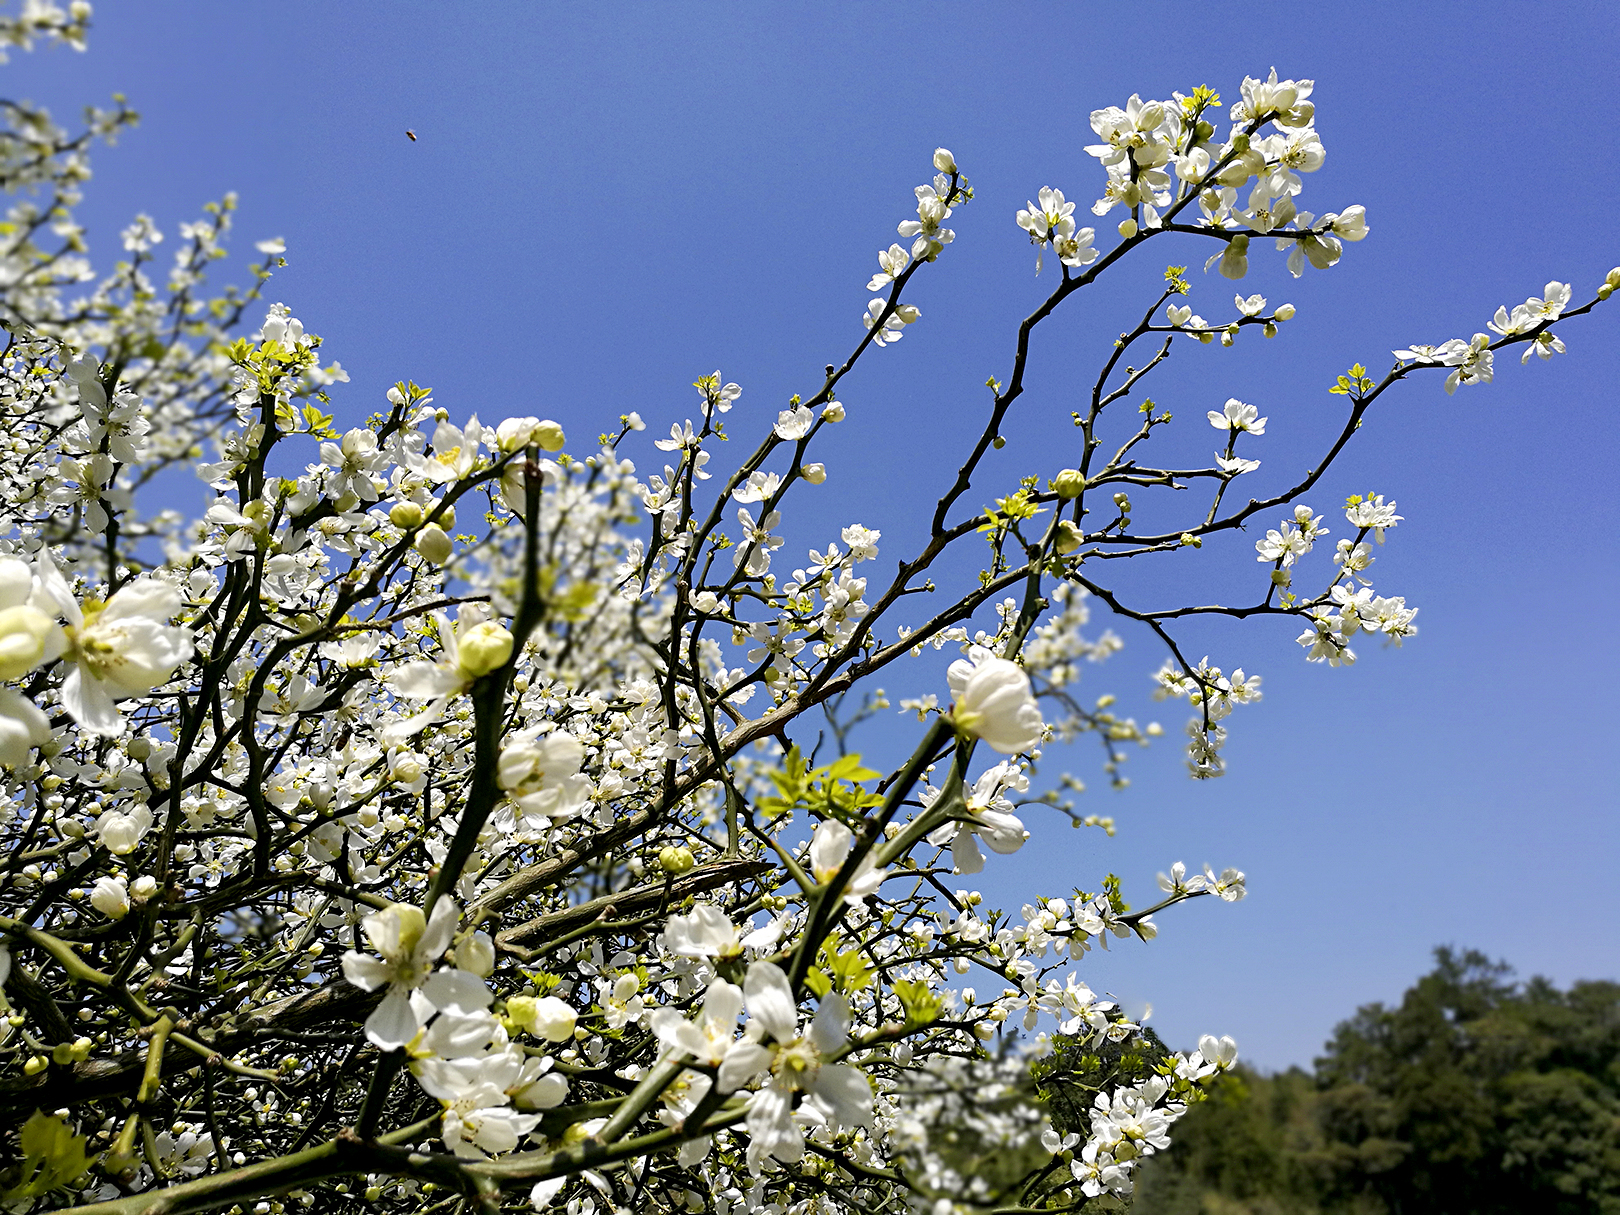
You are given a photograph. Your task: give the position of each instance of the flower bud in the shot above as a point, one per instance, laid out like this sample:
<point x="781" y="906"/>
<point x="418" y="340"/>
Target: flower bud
<point x="549" y="436"/>
<point x="405" y="515"/>
<point x="833" y="411"/>
<point x="521" y="1011"/>
<point x="16" y="581"/>
<point x="814" y="473"/>
<point x="484" y="647"/>
<point x="1068" y="537"/>
<point x="675" y="860"/>
<point x="1351" y="223"/>
<point x="434" y="544"/>
<point x="1070" y="483"/>
<point x="515" y="433"/>
<point x="1284" y="312"/>
<point x="110" y="898"/>
<point x="145" y="886"/>
<point x="120" y="832"/>
<point x="1612" y="279"/>
<point x="23" y="631"/>
<point x="477" y="954"/>
<point x="139" y="748"/>
<point x="944" y="161"/>
<point x="1235" y="260"/>
<point x="1127" y="228"/>
<point x="553" y="1020"/>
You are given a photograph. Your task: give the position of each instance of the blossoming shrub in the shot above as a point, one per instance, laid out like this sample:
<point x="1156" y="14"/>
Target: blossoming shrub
<point x="428" y="825"/>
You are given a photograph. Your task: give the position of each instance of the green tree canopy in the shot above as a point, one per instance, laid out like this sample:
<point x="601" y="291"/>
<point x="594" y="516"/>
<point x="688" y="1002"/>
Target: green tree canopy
<point x="1476" y="1095"/>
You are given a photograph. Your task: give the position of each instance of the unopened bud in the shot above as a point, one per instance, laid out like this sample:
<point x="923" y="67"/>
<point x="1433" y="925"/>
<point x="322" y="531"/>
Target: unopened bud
<point x="1127" y="228"/>
<point x="434" y="544"/>
<point x="23" y="632"/>
<point x="944" y="161"/>
<point x="1068" y="537"/>
<point x="814" y="473"/>
<point x="405" y="515"/>
<point x="549" y="436"/>
<point x="477" y="954"/>
<point x="1070" y="483"/>
<point x="484" y="647"/>
<point x="675" y="860"/>
<point x="1284" y="312"/>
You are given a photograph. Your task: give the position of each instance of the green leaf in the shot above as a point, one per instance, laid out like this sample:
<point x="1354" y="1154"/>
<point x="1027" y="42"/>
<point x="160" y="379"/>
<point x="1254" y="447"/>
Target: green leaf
<point x="53" y="1158"/>
<point x="920" y="1004"/>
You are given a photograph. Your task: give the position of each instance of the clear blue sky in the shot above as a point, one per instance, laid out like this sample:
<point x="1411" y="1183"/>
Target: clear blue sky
<point x="606" y="201"/>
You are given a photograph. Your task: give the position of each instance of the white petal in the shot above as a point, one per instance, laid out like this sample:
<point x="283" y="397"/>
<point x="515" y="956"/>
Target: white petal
<point x="441" y="926"/>
<point x="770" y="1000"/>
<point x="87" y="700"/>
<point x="423" y="680"/>
<point x="457" y="992"/>
<point x="965" y="854"/>
<point x="830" y="1030"/>
<point x="722" y="1004"/>
<point x="365" y="971"/>
<point x="147" y="598"/>
<point x="846" y="1091"/>
<point x="742" y="1063"/>
<point x="393" y="1024"/>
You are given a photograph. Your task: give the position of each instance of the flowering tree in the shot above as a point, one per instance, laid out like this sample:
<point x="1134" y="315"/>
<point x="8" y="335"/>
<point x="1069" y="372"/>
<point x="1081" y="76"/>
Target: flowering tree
<point x="436" y="823"/>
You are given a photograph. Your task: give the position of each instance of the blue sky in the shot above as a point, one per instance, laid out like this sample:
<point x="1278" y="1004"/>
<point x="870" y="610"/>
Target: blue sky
<point x="605" y="202"/>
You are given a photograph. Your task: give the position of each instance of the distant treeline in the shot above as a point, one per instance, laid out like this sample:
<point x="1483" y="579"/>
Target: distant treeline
<point x="1476" y="1096"/>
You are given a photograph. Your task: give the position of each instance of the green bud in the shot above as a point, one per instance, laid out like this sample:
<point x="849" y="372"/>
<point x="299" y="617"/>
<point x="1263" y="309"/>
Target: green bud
<point x="405" y="515"/>
<point x="434" y="544"/>
<point x="483" y="648"/>
<point x="549" y="436"/>
<point x="1070" y="483"/>
<point x="675" y="860"/>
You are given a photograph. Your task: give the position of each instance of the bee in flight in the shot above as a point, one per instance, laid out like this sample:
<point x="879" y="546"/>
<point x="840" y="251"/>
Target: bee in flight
<point x="412" y="134"/>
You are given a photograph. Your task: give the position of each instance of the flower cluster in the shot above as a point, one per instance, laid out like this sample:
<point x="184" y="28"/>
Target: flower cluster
<point x="451" y="807"/>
